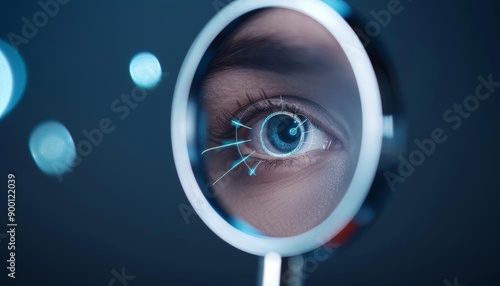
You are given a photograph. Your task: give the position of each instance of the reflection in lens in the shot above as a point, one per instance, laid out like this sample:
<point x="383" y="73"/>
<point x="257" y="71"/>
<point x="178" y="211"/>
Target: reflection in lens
<point x="145" y="70"/>
<point x="283" y="115"/>
<point x="340" y="6"/>
<point x="388" y="127"/>
<point x="52" y="148"/>
<point x="12" y="78"/>
<point x="244" y="226"/>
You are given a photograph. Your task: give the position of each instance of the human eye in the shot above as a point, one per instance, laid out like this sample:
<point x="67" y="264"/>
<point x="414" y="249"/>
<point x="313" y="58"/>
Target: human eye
<point x="281" y="130"/>
<point x="286" y="131"/>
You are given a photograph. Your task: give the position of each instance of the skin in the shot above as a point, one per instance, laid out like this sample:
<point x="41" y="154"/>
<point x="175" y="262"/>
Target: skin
<point x="296" y="195"/>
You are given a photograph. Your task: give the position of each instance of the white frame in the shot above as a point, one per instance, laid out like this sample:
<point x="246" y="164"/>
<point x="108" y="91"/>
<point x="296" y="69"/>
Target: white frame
<point x="371" y="133"/>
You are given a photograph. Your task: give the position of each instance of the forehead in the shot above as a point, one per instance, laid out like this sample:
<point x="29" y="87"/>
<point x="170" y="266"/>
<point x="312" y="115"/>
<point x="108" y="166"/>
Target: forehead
<point x="287" y="25"/>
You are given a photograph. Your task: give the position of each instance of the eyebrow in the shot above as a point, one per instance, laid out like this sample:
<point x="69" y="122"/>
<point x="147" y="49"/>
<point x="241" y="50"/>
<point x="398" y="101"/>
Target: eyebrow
<point x="268" y="54"/>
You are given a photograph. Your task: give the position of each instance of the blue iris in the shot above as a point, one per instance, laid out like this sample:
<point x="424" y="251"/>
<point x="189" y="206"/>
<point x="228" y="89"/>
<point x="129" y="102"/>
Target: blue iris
<point x="283" y="133"/>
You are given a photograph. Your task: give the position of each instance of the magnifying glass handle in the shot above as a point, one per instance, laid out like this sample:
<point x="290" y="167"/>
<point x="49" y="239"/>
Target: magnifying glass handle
<point x="276" y="270"/>
<point x="270" y="272"/>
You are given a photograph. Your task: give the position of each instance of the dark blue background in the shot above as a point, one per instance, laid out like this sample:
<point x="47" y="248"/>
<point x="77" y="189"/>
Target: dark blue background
<point x="119" y="207"/>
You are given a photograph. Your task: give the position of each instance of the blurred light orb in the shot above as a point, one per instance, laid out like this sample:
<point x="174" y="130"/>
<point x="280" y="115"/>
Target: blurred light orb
<point x="12" y="78"/>
<point x="145" y="70"/>
<point x="52" y="148"/>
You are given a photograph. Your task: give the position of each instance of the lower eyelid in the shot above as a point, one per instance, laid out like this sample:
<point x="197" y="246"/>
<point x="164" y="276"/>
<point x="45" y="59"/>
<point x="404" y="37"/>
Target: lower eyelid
<point x="326" y="139"/>
<point x="259" y="155"/>
<point x="293" y="165"/>
<point x="322" y="142"/>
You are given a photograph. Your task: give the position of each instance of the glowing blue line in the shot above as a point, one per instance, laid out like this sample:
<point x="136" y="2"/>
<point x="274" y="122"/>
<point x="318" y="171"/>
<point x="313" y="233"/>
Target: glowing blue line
<point x="329" y="144"/>
<point x="251" y="172"/>
<point x="301" y="123"/>
<point x="225" y="145"/>
<point x="293" y="131"/>
<point x="234" y="166"/>
<point x="237" y="123"/>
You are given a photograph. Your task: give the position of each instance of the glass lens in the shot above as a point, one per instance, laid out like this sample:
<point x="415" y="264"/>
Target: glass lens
<point x="279" y="123"/>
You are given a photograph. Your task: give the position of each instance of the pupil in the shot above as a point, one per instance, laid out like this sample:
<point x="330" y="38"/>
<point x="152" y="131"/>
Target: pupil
<point x="286" y="129"/>
<point x="283" y="133"/>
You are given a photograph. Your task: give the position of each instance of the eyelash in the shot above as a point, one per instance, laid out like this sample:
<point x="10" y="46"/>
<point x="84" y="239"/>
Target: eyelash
<point x="256" y="107"/>
<point x="262" y="104"/>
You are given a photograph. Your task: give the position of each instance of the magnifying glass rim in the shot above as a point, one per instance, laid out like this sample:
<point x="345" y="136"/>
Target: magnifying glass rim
<point x="371" y="143"/>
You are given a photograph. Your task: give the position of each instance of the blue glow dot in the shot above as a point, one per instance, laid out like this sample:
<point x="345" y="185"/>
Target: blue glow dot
<point x="12" y="78"/>
<point x="52" y="148"/>
<point x="145" y="70"/>
<point x="340" y="6"/>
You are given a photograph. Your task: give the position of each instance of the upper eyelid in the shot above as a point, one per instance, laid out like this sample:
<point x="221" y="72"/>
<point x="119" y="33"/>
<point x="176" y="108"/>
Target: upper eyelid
<point x="272" y="108"/>
<point x="224" y="119"/>
<point x="332" y="125"/>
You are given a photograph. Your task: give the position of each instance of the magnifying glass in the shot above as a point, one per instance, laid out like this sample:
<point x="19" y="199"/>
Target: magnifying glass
<point x="282" y="126"/>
